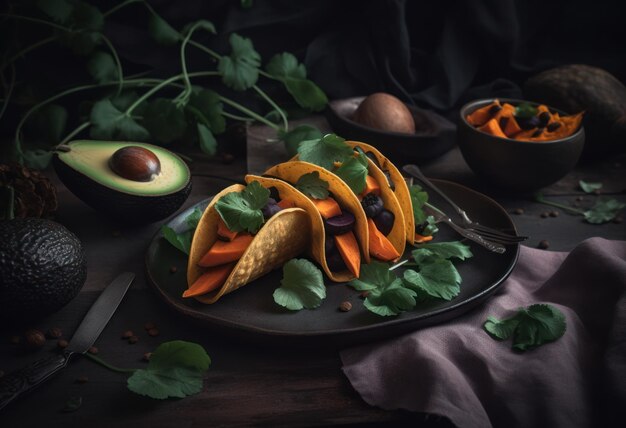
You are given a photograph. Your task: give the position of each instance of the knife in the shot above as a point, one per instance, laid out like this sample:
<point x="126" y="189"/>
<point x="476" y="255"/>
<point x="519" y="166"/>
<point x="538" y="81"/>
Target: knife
<point x="27" y="378"/>
<point x="440" y="216"/>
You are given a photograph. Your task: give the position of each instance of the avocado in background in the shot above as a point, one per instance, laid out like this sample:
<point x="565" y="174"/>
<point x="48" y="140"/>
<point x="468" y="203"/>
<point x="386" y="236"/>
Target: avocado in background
<point x="87" y="170"/>
<point x="42" y="268"/>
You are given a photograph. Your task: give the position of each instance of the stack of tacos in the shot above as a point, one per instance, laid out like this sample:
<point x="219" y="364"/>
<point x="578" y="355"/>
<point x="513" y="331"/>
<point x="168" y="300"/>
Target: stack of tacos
<point x="340" y="219"/>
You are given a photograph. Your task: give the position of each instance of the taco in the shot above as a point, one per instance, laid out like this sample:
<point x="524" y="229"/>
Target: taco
<point x="243" y="234"/>
<point x="339" y="225"/>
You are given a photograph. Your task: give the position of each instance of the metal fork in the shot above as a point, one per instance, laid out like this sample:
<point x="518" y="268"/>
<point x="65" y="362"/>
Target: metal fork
<point x="488" y="232"/>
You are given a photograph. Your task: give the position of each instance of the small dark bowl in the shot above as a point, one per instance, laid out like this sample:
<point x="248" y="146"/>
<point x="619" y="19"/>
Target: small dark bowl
<point x="512" y="164"/>
<point x="434" y="136"/>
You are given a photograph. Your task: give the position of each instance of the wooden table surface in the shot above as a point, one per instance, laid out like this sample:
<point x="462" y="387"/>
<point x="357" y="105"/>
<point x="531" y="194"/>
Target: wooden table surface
<point x="247" y="384"/>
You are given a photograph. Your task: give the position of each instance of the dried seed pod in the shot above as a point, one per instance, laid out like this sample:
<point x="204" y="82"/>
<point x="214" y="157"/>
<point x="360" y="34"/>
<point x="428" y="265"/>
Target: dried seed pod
<point x="34" y="339"/>
<point x="62" y="343"/>
<point x="54" y="333"/>
<point x="543" y="244"/>
<point x="153" y="332"/>
<point x="127" y="334"/>
<point x="93" y="350"/>
<point x="133" y="339"/>
<point x="345" y="306"/>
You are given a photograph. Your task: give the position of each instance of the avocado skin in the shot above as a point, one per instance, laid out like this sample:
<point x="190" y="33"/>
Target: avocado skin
<point x="42" y="268"/>
<point x="122" y="207"/>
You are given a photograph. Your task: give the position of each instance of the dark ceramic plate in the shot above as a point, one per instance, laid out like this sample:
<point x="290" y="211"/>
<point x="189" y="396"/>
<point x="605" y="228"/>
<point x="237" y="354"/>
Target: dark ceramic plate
<point x="435" y="134"/>
<point x="251" y="314"/>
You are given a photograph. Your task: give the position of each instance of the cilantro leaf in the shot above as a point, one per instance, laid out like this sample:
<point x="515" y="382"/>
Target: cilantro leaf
<point x="589" y="187"/>
<point x="37" y="158"/>
<point x="242" y="210"/>
<point x="102" y="67"/>
<point x="530" y="327"/>
<point x="161" y="31"/>
<point x="285" y="67"/>
<point x="354" y="172"/>
<point x="293" y="138"/>
<point x="175" y="369"/>
<point x="50" y="123"/>
<point x="59" y="10"/>
<point x="429" y="227"/>
<point x="182" y="241"/>
<point x="164" y="120"/>
<point x="302" y="286"/>
<point x="446" y="250"/>
<point x="110" y="124"/>
<point x="208" y="144"/>
<point x="438" y="278"/>
<point x="209" y="104"/>
<point x="604" y="211"/>
<point x="87" y="23"/>
<point x="373" y="275"/>
<point x="525" y="111"/>
<point x="313" y="186"/>
<point x="418" y="198"/>
<point x="325" y="151"/>
<point x="193" y="219"/>
<point x="240" y="69"/>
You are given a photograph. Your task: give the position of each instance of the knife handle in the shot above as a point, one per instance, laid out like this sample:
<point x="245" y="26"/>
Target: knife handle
<point x="19" y="382"/>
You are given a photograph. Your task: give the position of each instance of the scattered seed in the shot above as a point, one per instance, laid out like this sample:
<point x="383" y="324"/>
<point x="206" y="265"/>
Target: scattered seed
<point x="543" y="244"/>
<point x="364" y="294"/>
<point x="54" y="333"/>
<point x="62" y="343"/>
<point x="133" y="339"/>
<point x="93" y="350"/>
<point x="146" y="356"/>
<point x="554" y="213"/>
<point x="153" y="332"/>
<point x="544" y="214"/>
<point x="82" y="379"/>
<point x="127" y="334"/>
<point x="345" y="306"/>
<point x="173" y="269"/>
<point x="15" y="339"/>
<point x="149" y="326"/>
<point x="34" y="339"/>
<point x="518" y="211"/>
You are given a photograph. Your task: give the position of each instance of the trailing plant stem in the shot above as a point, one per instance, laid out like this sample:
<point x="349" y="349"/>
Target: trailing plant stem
<point x="107" y="365"/>
<point x="250" y="113"/>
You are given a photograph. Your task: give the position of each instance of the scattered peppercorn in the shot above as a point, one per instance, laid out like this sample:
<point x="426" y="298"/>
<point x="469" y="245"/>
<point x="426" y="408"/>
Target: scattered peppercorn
<point x="54" y="333"/>
<point x="554" y="213"/>
<point x="34" y="339"/>
<point x="133" y="339"/>
<point x="173" y="269"/>
<point x="518" y="211"/>
<point x="153" y="332"/>
<point x="62" y="343"/>
<point x="127" y="334"/>
<point x="544" y="214"/>
<point x="93" y="350"/>
<point x="146" y="356"/>
<point x="82" y="379"/>
<point x="543" y="244"/>
<point x="149" y="326"/>
<point x="345" y="306"/>
<point x="364" y="294"/>
<point x="15" y="339"/>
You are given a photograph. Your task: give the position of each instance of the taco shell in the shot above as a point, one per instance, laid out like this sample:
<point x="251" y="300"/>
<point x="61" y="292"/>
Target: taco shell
<point x="275" y="243"/>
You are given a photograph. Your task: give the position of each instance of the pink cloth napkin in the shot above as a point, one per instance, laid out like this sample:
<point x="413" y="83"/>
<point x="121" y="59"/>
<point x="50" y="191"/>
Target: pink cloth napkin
<point x="456" y="370"/>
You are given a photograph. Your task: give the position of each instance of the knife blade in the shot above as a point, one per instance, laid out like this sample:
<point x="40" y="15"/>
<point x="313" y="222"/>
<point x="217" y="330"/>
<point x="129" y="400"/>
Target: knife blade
<point x="440" y="216"/>
<point x="22" y="381"/>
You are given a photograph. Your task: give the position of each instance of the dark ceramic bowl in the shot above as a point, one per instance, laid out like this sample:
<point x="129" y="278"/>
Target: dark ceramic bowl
<point x="434" y="136"/>
<point x="512" y="164"/>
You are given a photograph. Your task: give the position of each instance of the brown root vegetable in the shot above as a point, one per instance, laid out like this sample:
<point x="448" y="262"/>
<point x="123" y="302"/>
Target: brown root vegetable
<point x="385" y="112"/>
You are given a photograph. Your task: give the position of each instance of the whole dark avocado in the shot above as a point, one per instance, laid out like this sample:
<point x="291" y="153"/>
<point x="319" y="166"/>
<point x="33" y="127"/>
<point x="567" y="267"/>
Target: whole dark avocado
<point x="42" y="268"/>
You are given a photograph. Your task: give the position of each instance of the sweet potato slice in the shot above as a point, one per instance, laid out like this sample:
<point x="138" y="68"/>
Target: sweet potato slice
<point x="350" y="252"/>
<point x="223" y="231"/>
<point x="223" y="252"/>
<point x="286" y="203"/>
<point x="327" y="207"/>
<point x="380" y="247"/>
<point x="371" y="186"/>
<point x="420" y="239"/>
<point x="210" y="280"/>
<point x="493" y="128"/>
<point x="482" y="115"/>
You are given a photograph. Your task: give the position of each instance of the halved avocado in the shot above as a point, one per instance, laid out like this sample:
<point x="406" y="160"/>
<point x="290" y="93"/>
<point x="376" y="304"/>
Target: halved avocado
<point x="84" y="166"/>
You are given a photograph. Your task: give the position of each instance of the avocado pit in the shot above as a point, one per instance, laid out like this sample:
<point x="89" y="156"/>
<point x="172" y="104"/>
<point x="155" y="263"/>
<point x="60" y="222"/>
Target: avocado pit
<point x="135" y="163"/>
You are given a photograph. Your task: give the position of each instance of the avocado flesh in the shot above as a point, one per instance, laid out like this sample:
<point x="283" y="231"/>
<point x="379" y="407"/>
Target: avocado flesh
<point x="91" y="158"/>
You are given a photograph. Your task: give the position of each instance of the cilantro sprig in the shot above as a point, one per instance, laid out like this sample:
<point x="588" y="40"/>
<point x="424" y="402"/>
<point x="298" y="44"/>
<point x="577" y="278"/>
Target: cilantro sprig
<point x="302" y="286"/>
<point x="530" y="327"/>
<point x="242" y="210"/>
<point x="424" y="225"/>
<point x="603" y="211"/>
<point x="354" y="172"/>
<point x="325" y="151"/>
<point x="182" y="240"/>
<point x="313" y="186"/>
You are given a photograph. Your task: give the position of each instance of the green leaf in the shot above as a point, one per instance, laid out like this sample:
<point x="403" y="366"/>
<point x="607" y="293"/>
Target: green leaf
<point x="438" y="278"/>
<point x="293" y="138"/>
<point x="209" y="104"/>
<point x="604" y="211"/>
<point x="201" y="24"/>
<point x="391" y="299"/>
<point x="102" y="67"/>
<point x="193" y="219"/>
<point x="325" y="151"/>
<point x="175" y="369"/>
<point x="354" y="172"/>
<point x="162" y="32"/>
<point x="240" y="69"/>
<point x="530" y="327"/>
<point x="285" y="67"/>
<point x="59" y="10"/>
<point x="37" y="159"/>
<point x="182" y="241"/>
<point x="313" y="186"/>
<point x="246" y="4"/>
<point x="50" y="122"/>
<point x="429" y="227"/>
<point x="242" y="210"/>
<point x="525" y="111"/>
<point x="126" y="99"/>
<point x="373" y="275"/>
<point x="87" y="17"/>
<point x="418" y="198"/>
<point x="589" y="187"/>
<point x="208" y="144"/>
<point x="110" y="124"/>
<point x="164" y="120"/>
<point x="446" y="250"/>
<point x="302" y="286"/>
